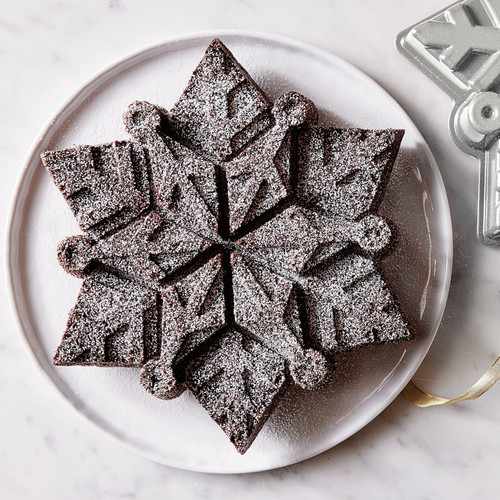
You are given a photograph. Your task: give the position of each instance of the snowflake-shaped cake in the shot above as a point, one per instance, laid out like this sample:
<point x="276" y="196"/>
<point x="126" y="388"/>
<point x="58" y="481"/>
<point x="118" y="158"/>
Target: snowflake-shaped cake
<point x="228" y="247"/>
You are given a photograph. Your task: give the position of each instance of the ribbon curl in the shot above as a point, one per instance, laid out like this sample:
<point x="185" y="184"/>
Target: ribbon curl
<point x="424" y="400"/>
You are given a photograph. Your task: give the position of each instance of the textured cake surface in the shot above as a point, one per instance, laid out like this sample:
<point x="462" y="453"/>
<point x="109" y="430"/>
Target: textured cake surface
<point x="230" y="247"/>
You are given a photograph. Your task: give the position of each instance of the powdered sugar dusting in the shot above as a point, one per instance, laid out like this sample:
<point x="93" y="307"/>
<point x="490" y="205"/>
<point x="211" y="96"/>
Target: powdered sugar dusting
<point x="255" y="241"/>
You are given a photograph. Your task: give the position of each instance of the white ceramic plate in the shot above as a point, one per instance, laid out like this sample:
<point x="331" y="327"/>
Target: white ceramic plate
<point x="179" y="433"/>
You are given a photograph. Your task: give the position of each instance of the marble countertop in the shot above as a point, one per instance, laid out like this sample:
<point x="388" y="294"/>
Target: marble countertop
<point x="47" y="50"/>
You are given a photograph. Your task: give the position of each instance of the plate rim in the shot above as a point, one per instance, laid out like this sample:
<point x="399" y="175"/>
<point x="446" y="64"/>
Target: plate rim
<point x="17" y="202"/>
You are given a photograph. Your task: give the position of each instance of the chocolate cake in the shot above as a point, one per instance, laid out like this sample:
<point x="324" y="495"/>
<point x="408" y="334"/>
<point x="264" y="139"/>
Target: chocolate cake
<point x="230" y="247"/>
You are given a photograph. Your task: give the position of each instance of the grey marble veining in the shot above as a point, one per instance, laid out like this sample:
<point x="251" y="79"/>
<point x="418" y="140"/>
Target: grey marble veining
<point x="47" y="450"/>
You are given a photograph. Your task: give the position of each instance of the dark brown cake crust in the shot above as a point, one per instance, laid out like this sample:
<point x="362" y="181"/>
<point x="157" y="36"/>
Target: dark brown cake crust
<point x="230" y="248"/>
<point x="222" y="109"/>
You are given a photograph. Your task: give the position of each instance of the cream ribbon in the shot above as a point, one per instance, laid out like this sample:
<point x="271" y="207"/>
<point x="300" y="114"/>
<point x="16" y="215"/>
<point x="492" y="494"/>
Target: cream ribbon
<point x="424" y="400"/>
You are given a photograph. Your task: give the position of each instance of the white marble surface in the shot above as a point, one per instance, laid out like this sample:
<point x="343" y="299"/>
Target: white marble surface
<point x="47" y="49"/>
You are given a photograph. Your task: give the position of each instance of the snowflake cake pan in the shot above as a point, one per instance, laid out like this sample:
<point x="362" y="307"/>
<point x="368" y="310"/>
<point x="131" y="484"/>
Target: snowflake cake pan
<point x="457" y="48"/>
<point x="219" y="240"/>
